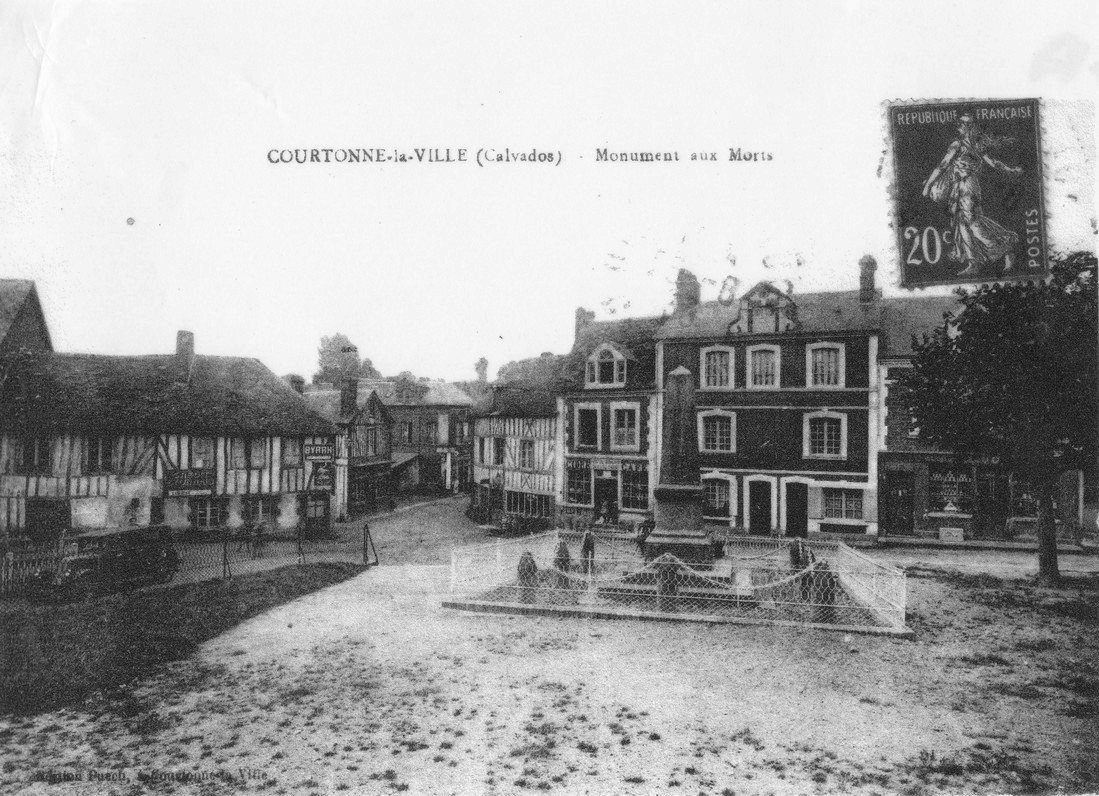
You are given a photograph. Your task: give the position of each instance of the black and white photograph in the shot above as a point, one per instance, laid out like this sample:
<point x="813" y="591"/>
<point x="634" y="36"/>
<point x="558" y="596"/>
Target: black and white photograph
<point x="501" y="398"/>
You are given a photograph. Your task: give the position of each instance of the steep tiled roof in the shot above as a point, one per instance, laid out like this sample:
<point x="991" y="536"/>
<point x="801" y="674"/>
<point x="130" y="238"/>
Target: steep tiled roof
<point x="14" y="295"/>
<point x="326" y="403"/>
<point x="897" y="319"/>
<point x="90" y="393"/>
<point x="634" y="338"/>
<point x="825" y="312"/>
<point x="518" y="400"/>
<point x="903" y="318"/>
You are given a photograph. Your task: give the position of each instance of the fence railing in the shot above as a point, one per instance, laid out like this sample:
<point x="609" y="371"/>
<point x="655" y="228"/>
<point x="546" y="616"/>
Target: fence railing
<point x="84" y="566"/>
<point x="18" y="569"/>
<point x="759" y="579"/>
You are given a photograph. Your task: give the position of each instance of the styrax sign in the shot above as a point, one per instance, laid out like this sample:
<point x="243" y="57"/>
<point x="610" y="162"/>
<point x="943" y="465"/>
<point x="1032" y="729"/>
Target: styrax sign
<point x="968" y="191"/>
<point x="319" y="451"/>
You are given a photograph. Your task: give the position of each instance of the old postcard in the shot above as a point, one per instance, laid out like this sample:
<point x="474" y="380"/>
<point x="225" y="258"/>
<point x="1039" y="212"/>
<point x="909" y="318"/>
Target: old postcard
<point x="493" y="398"/>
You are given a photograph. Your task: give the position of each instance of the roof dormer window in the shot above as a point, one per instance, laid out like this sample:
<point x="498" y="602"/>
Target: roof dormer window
<point x="606" y="367"/>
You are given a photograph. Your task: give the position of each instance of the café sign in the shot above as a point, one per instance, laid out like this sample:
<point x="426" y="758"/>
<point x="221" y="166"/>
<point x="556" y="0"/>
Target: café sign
<point x="185" y="483"/>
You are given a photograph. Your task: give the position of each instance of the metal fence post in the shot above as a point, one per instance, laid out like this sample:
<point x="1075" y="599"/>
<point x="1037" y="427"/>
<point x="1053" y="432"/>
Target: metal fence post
<point x="226" y="571"/>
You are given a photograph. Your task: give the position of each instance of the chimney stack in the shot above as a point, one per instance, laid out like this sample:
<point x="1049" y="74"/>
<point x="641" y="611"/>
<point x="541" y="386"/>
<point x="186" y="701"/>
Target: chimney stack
<point x="867" y="266"/>
<point x="688" y="291"/>
<point x="185" y="350"/>
<point x="349" y="397"/>
<point x="583" y="318"/>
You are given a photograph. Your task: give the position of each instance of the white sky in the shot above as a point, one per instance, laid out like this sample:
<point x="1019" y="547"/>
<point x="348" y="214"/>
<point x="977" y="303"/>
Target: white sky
<point x="163" y="112"/>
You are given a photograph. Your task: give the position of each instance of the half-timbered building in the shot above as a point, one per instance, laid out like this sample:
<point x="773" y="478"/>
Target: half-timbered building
<point x="515" y="447"/>
<point x="363" y="447"/>
<point x="191" y="442"/>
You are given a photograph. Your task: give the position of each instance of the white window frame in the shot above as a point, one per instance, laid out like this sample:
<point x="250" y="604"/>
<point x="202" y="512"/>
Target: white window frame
<point x="807" y="420"/>
<point x="703" y="370"/>
<point x="525" y="444"/>
<point x="844" y="493"/>
<point x="635" y="407"/>
<point x="702" y="430"/>
<point x="748" y="366"/>
<point x="734" y="495"/>
<point x="576" y="426"/>
<point x="842" y="364"/>
<point x="591" y="369"/>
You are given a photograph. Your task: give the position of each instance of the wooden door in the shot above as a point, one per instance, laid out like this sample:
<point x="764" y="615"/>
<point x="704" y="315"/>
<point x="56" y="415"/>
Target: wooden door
<point x="797" y="509"/>
<point x="898" y="519"/>
<point x="759" y="507"/>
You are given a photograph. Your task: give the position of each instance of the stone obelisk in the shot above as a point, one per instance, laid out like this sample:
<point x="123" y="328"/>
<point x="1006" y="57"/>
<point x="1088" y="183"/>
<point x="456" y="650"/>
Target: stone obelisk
<point x="678" y="513"/>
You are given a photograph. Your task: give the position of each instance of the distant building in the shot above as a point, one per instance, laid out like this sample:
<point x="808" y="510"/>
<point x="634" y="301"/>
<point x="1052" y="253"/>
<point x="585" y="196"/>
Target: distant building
<point x="515" y="445"/>
<point x="432" y="439"/>
<point x="22" y="323"/>
<point x="187" y="441"/>
<point x="364" y="450"/>
<point x="928" y="491"/>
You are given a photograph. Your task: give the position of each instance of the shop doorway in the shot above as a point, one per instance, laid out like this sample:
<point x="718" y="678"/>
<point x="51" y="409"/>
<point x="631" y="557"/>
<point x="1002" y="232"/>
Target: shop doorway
<point x="899" y="487"/>
<point x="606" y="499"/>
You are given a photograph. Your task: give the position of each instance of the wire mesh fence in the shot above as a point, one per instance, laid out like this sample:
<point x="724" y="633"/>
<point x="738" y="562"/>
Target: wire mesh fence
<point x="80" y="567"/>
<point x="757" y="579"/>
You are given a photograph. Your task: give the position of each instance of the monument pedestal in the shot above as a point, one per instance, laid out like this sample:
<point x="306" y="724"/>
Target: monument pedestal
<point x="679" y="528"/>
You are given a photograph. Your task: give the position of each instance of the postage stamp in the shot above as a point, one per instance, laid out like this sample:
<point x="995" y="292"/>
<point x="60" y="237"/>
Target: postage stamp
<point x="969" y="204"/>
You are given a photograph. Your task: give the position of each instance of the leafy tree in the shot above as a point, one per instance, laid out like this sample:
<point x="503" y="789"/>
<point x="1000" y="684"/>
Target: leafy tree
<point x="368" y="371"/>
<point x="338" y="359"/>
<point x="482" y="369"/>
<point x="1013" y="376"/>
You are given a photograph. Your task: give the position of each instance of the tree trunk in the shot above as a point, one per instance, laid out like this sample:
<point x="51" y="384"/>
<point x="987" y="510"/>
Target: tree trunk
<point x="1048" y="574"/>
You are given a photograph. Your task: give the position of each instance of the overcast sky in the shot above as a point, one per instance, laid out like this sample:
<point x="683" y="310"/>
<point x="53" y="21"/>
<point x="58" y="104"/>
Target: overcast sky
<point x="135" y="186"/>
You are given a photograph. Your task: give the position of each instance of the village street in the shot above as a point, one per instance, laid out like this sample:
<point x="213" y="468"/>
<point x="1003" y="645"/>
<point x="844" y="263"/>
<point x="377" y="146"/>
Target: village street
<point x="370" y="685"/>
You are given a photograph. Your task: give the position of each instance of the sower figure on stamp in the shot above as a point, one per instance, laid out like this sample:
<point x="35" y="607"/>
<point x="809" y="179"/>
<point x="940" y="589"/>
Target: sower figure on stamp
<point x="977" y="241"/>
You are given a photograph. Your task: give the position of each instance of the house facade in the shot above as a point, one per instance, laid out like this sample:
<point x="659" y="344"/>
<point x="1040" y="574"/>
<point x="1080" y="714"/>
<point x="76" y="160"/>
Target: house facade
<point x="363" y="454"/>
<point x="432" y="440"/>
<point x="199" y="443"/>
<point x="787" y="406"/>
<point x="515" y="453"/>
<point x="607" y="422"/>
<point x="930" y="492"/>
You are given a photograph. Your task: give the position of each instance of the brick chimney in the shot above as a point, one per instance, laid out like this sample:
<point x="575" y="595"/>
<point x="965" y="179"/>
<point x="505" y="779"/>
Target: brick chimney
<point x="867" y="266"/>
<point x="583" y="318"/>
<point x="349" y="397"/>
<point x="185" y="350"/>
<point x="688" y="291"/>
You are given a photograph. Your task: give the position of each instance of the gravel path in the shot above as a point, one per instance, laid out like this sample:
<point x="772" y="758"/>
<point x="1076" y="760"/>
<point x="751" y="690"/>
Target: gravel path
<point x="370" y="686"/>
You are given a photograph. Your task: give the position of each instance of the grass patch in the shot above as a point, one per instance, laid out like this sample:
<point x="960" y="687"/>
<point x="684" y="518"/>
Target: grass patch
<point x="54" y="655"/>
